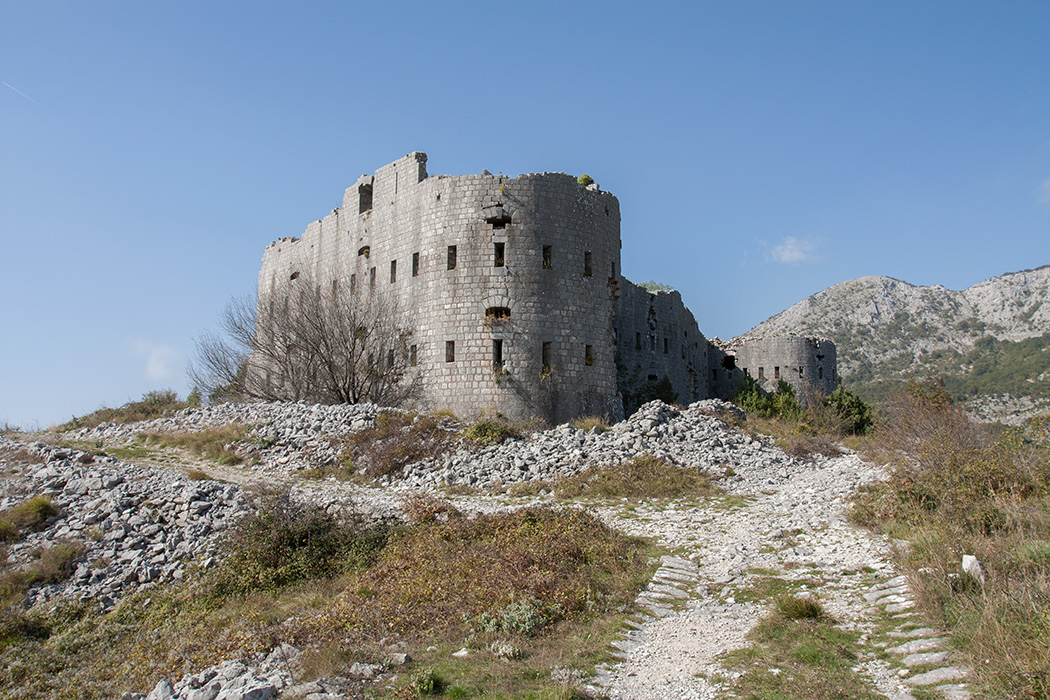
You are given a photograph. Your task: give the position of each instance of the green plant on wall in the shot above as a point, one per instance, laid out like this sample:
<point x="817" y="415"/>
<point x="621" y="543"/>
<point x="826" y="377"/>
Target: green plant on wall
<point x="585" y="180"/>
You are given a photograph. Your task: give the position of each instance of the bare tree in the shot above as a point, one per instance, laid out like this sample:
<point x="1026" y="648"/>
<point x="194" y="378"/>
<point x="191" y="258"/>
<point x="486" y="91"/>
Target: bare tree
<point x="333" y="347"/>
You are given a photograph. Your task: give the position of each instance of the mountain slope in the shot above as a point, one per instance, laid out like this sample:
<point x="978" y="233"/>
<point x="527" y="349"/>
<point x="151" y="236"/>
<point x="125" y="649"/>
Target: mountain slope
<point x="991" y="338"/>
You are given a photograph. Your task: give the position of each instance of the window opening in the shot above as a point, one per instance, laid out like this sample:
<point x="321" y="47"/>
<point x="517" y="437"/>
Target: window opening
<point x="587" y="269"/>
<point x="499" y="219"/>
<point x="547" y="258"/>
<point x="637" y="341"/>
<point x="335" y="286"/>
<point x="800" y="371"/>
<point x="761" y="372"/>
<point x="612" y="269"/>
<point x="393" y="271"/>
<point x="499" y="249"/>
<point x="415" y="264"/>
<point x="714" y="375"/>
<point x="412" y="355"/>
<point x="652" y="343"/>
<point x="729" y="362"/>
<point x="364" y="250"/>
<point x="364" y="198"/>
<point x="545" y="355"/>
<point x="776" y="373"/>
<point x="497" y="353"/>
<point x="820" y="372"/>
<point x="588" y="355"/>
<point x="295" y="276"/>
<point x="652" y="377"/>
<point x="372" y="278"/>
<point x="667" y="344"/>
<point x="450" y="351"/>
<point x="353" y="281"/>
<point x="452" y="257"/>
<point x="497" y="313"/>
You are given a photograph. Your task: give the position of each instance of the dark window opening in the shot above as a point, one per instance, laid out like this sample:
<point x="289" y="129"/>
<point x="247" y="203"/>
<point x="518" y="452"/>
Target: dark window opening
<point x="637" y="341"/>
<point x="547" y="258"/>
<point x="820" y="372"/>
<point x="499" y="219"/>
<point x="776" y="373"/>
<point x="545" y="356"/>
<point x="415" y="264"/>
<point x="364" y="198"/>
<point x="652" y="343"/>
<point x="335" y="287"/>
<point x="800" y="371"/>
<point x="372" y="278"/>
<point x="612" y="270"/>
<point x="652" y="377"/>
<point x="729" y="362"/>
<point x="450" y="351"/>
<point x="761" y="372"/>
<point x="498" y="252"/>
<point x="714" y="375"/>
<point x="452" y="257"/>
<point x="295" y="276"/>
<point x="364" y="250"/>
<point x="497" y="313"/>
<point x="393" y="271"/>
<point x="497" y="353"/>
<point x="412" y="355"/>
<point x="588" y="355"/>
<point x="353" y="281"/>
<point x="587" y="269"/>
<point x="747" y="372"/>
<point x="667" y="345"/>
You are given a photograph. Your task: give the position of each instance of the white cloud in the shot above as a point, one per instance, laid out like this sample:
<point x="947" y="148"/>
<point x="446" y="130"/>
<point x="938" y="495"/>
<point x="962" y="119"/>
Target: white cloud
<point x="1044" y="192"/>
<point x="793" y="251"/>
<point x="161" y="360"/>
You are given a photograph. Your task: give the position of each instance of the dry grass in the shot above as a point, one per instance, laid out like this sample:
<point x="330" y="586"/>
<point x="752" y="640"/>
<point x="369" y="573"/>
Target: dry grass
<point x="558" y="581"/>
<point x="24" y="517"/>
<point x="589" y="423"/>
<point x="213" y="444"/>
<point x="958" y="488"/>
<point x="643" y="477"/>
<point x="154" y="404"/>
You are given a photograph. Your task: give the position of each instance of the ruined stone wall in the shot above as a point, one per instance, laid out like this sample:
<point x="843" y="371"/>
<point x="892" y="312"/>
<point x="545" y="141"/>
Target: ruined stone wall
<point x="555" y="274"/>
<point x="657" y="336"/>
<point x="795" y="359"/>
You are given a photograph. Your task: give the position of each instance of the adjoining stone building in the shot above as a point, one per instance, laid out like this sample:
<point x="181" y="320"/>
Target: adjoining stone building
<point x="513" y="291"/>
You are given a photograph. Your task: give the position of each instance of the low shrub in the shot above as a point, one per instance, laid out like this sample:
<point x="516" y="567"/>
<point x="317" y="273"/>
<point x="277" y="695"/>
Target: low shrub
<point x="794" y="607"/>
<point x="24" y="517"/>
<point x="396" y="440"/>
<point x="153" y="404"/>
<point x="284" y="542"/>
<point x="589" y="423"/>
<point x="491" y="431"/>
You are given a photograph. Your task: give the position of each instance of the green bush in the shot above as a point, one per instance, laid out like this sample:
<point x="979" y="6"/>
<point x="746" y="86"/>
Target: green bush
<point x="857" y="416"/>
<point x="585" y="180"/>
<point x="491" y="432"/>
<point x="285" y="542"/>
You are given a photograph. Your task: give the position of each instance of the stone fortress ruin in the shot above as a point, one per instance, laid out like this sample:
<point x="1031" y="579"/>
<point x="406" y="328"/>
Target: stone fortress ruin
<point x="513" y="291"/>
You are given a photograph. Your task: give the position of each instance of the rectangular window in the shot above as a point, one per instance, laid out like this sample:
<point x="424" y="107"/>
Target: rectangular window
<point x="776" y="373"/>
<point x="637" y="341"/>
<point x="548" y="257"/>
<point x="415" y="264"/>
<point x="364" y="198"/>
<point x="372" y="278"/>
<point x="652" y="343"/>
<point x="545" y="356"/>
<point x="497" y="353"/>
<point x="800" y="370"/>
<point x="714" y="375"/>
<point x="452" y="257"/>
<point x="667" y="344"/>
<point x="612" y="270"/>
<point x="412" y="355"/>
<point x="761" y="372"/>
<point x="335" y="287"/>
<point x="498" y="251"/>
<point x="820" y="372"/>
<point x="450" y="351"/>
<point x="393" y="271"/>
<point x="588" y="355"/>
<point x="587" y="269"/>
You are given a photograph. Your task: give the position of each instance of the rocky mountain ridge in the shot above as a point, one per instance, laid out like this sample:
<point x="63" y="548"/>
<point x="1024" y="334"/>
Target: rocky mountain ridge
<point x="886" y="329"/>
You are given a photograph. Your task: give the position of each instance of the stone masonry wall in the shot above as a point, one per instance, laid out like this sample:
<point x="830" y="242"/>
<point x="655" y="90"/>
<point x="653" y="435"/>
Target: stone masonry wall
<point x="512" y="288"/>
<point x="797" y="360"/>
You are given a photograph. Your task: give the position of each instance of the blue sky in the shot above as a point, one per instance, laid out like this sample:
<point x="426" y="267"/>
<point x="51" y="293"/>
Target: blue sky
<point x="761" y="151"/>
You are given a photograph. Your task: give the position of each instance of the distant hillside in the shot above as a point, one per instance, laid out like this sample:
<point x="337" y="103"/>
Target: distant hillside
<point x="990" y="339"/>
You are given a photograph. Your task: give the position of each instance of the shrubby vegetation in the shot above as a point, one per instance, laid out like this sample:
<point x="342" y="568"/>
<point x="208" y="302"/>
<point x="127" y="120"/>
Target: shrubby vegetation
<point x="153" y="404"/>
<point x="550" y="585"/>
<point x="958" y="488"/>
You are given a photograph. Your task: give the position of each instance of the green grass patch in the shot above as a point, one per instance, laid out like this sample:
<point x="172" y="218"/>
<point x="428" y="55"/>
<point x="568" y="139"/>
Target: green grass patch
<point x="798" y="655"/>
